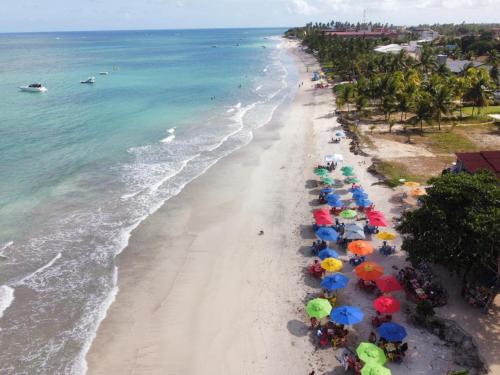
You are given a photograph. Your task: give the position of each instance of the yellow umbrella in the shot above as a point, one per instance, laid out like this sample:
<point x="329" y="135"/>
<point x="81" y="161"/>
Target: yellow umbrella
<point x="412" y="184"/>
<point x="386" y="236"/>
<point x="331" y="264"/>
<point x="418" y="191"/>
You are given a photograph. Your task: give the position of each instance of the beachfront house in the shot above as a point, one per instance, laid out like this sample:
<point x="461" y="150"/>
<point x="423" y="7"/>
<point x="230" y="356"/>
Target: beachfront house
<point x="471" y="162"/>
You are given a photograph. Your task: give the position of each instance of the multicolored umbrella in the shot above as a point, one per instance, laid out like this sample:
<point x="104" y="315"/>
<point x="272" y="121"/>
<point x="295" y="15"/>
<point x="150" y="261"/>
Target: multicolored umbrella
<point x="327" y="234"/>
<point x="360" y="248"/>
<point x="386" y="236"/>
<point x="331" y="264"/>
<point x="392" y="331"/>
<point x="327" y="253"/>
<point x="388" y="283"/>
<point x="347" y="315"/>
<point x="386" y="305"/>
<point x="369" y="271"/>
<point x="318" y="308"/>
<point x="371" y="354"/>
<point x="335" y="281"/>
<point x="374" y="369"/>
<point x="348" y="214"/>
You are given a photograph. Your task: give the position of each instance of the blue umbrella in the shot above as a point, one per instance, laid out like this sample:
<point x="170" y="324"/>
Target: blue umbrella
<point x="328" y="253"/>
<point x="333" y="196"/>
<point x="327" y="234"/>
<point x="334" y="202"/>
<point x="364" y="203"/>
<point x="392" y="331"/>
<point x="347" y="315"/>
<point x="358" y="188"/>
<point x="340" y="133"/>
<point x="327" y="190"/>
<point x="358" y="195"/>
<point x="335" y="281"/>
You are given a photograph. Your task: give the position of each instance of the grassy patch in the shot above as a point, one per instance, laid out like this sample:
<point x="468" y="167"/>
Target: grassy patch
<point x="449" y="142"/>
<point x="484" y="111"/>
<point x="394" y="171"/>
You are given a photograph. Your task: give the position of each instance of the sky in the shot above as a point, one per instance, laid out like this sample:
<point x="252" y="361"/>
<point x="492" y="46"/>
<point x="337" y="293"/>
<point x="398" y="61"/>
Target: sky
<point x="69" y="15"/>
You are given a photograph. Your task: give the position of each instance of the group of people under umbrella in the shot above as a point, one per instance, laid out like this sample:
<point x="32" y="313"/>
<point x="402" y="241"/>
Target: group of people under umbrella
<point x="327" y="318"/>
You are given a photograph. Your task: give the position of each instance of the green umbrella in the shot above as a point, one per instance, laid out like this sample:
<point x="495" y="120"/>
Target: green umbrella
<point x="371" y="354"/>
<point x="346" y="168"/>
<point x="327" y="180"/>
<point x="318" y="308"/>
<point x="373" y="369"/>
<point x="348" y="173"/>
<point x="348" y="214"/>
<point x="351" y="180"/>
<point x="321" y="172"/>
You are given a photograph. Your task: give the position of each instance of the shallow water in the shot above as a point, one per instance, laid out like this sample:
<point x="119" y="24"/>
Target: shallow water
<point x="82" y="165"/>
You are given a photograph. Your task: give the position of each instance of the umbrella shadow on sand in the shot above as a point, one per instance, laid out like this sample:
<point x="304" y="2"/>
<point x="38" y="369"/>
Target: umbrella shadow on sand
<point x="306" y="251"/>
<point x="297" y="328"/>
<point x="306" y="232"/>
<point x="311" y="184"/>
<point x="309" y="280"/>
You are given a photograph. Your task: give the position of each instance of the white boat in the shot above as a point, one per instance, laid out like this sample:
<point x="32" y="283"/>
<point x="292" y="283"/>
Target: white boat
<point x="34" y="87"/>
<point x="104" y="73"/>
<point x="89" y="80"/>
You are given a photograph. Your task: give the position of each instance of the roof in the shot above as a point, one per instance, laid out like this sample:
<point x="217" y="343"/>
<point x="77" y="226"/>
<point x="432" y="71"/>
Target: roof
<point x="390" y="48"/>
<point x="457" y="66"/>
<point x="360" y="33"/>
<point x="483" y="160"/>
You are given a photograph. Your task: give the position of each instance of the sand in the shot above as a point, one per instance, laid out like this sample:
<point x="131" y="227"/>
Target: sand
<point x="201" y="292"/>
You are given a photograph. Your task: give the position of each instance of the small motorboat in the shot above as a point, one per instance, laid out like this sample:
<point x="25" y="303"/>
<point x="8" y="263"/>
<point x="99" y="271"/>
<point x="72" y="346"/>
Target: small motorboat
<point x="89" y="80"/>
<point x="103" y="73"/>
<point x="34" y="87"/>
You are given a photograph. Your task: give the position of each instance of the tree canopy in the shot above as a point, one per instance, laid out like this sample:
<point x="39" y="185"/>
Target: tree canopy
<point x="458" y="225"/>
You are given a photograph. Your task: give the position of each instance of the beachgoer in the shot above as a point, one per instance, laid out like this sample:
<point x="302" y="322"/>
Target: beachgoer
<point x="314" y="322"/>
<point x="372" y="338"/>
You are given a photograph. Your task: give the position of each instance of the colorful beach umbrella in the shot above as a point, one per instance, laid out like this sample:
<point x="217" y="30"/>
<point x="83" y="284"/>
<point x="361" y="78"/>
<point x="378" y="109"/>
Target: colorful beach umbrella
<point x="369" y="271"/>
<point x="351" y="180"/>
<point x="374" y="369"/>
<point x="321" y="171"/>
<point x="327" y="234"/>
<point x="386" y="236"/>
<point x="377" y="221"/>
<point x="331" y="264"/>
<point x="371" y="354"/>
<point x="327" y="190"/>
<point x="360" y="248"/>
<point x="411" y="184"/>
<point x="346" y="168"/>
<point x="334" y="197"/>
<point x="348" y="173"/>
<point x="335" y="281"/>
<point x="323" y="217"/>
<point x="347" y="315"/>
<point x="418" y="192"/>
<point x="348" y="214"/>
<point x="392" y="331"/>
<point x="386" y="305"/>
<point x="388" y="283"/>
<point x="327" y="180"/>
<point x="359" y="194"/>
<point x="364" y="203"/>
<point x="327" y="253"/>
<point x="318" y="308"/>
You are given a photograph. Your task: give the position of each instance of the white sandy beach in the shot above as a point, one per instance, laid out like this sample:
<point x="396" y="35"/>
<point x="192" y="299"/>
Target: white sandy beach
<point x="202" y="293"/>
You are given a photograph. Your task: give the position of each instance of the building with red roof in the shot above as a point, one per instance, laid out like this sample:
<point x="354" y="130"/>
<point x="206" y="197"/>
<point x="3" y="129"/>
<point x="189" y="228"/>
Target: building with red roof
<point x="475" y="161"/>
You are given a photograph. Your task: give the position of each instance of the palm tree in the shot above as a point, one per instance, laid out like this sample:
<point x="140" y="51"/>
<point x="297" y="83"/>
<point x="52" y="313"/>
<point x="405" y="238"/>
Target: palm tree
<point x="347" y="94"/>
<point x="423" y="108"/>
<point x="441" y="101"/>
<point x="478" y="91"/>
<point x="428" y="61"/>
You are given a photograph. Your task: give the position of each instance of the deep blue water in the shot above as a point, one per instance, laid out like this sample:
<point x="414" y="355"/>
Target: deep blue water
<point x="82" y="165"/>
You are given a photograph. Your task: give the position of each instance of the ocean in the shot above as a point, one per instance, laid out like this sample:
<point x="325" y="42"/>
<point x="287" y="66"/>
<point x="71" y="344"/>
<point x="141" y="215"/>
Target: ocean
<point x="82" y="165"/>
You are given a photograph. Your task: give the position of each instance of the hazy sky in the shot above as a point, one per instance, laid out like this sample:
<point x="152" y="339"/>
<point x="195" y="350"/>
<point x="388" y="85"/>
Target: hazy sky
<point x="47" y="15"/>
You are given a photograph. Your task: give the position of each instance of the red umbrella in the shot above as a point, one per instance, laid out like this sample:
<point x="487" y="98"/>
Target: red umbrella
<point x="386" y="305"/>
<point x="388" y="283"/>
<point x="375" y="213"/>
<point x="377" y="221"/>
<point x="323" y="217"/>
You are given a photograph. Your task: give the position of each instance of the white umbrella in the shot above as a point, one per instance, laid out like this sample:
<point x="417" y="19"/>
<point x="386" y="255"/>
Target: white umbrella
<point x="335" y="158"/>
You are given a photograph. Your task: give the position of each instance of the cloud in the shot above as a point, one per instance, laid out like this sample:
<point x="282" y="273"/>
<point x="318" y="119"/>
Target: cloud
<point x="302" y="7"/>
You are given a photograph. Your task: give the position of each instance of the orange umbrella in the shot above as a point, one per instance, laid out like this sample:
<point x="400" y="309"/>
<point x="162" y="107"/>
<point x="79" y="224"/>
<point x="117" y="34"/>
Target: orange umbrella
<point x="360" y="248"/>
<point x="417" y="192"/>
<point x="369" y="271"/>
<point x="411" y="184"/>
<point x="386" y="305"/>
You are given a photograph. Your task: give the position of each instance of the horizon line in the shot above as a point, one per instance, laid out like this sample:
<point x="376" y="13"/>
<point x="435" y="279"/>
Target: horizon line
<point x="150" y="29"/>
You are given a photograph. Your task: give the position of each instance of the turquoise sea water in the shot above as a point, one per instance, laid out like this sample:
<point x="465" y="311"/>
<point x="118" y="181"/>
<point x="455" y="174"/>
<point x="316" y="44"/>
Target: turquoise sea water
<point x="82" y="165"/>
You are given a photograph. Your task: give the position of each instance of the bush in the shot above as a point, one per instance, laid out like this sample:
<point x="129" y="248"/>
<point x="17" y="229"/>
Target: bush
<point x="424" y="309"/>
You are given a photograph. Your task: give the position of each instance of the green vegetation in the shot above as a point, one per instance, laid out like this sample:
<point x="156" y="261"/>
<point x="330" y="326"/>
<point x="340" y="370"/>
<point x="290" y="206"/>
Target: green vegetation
<point x="484" y="111"/>
<point x="458" y="227"/>
<point x="394" y="171"/>
<point x="450" y="142"/>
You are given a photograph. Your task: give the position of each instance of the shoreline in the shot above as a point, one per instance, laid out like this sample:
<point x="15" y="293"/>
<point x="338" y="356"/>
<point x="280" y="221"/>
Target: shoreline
<point x="198" y="265"/>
